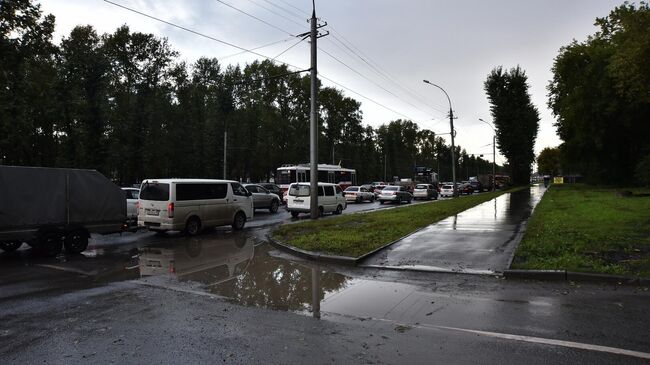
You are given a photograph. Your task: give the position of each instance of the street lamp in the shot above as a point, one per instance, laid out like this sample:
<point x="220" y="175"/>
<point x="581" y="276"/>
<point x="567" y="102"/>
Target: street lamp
<point x="453" y="134"/>
<point x="494" y="154"/>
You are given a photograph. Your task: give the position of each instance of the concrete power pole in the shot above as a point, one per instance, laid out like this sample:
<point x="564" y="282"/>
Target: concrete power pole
<point x="313" y="118"/>
<point x="313" y="123"/>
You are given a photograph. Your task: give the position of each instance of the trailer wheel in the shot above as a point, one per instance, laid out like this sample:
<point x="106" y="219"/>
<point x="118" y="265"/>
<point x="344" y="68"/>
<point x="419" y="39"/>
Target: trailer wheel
<point x="50" y="244"/>
<point x="76" y="242"/>
<point x="10" y="246"/>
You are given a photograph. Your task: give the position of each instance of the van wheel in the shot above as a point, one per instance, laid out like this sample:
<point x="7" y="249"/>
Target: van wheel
<point x="193" y="226"/>
<point x="294" y="214"/>
<point x="10" y="246"/>
<point x="239" y="221"/>
<point x="50" y="244"/>
<point x="339" y="209"/>
<point x="76" y="242"/>
<point x="274" y="206"/>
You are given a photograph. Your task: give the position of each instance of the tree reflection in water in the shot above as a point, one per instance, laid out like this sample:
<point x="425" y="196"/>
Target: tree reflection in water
<point x="277" y="283"/>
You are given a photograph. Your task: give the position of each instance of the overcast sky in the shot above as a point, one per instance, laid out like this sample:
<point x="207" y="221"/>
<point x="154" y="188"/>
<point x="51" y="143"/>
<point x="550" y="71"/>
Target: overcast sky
<point x="451" y="43"/>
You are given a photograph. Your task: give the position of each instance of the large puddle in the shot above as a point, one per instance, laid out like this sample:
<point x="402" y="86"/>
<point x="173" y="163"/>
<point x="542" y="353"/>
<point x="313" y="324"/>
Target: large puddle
<point x="232" y="265"/>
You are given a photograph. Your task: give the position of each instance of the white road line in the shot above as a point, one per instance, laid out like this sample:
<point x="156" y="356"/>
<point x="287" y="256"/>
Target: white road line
<point x="539" y="340"/>
<point x="69" y="269"/>
<point x="549" y="341"/>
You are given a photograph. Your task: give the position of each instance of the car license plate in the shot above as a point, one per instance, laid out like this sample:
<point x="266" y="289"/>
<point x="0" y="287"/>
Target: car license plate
<point x="298" y="201"/>
<point x="152" y="211"/>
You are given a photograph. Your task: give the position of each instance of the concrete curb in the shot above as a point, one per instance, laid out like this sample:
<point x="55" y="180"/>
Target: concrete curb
<point x="563" y="275"/>
<point x="315" y="256"/>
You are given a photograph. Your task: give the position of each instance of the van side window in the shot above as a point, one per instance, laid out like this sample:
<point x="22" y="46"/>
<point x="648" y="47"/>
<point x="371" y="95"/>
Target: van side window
<point x="237" y="189"/>
<point x="218" y="191"/>
<point x="338" y="190"/>
<point x="321" y="192"/>
<point x="329" y="190"/>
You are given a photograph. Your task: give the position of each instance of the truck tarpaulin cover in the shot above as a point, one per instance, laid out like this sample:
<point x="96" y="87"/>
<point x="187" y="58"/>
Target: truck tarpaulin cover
<point x="37" y="195"/>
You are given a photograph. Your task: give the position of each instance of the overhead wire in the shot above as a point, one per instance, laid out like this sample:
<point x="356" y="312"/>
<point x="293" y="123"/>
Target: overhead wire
<point x="378" y="69"/>
<point x="276" y="13"/>
<point x="288" y="11"/>
<point x="256" y="48"/>
<point x="367" y="78"/>
<point x="326" y="52"/>
<point x="255" y="53"/>
<point x="254" y="17"/>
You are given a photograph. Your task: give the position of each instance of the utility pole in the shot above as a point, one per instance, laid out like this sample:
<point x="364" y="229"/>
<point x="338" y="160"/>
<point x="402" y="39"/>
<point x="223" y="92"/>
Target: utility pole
<point x="313" y="117"/>
<point x="494" y="153"/>
<point x="494" y="159"/>
<point x="453" y="134"/>
<point x="225" y="149"/>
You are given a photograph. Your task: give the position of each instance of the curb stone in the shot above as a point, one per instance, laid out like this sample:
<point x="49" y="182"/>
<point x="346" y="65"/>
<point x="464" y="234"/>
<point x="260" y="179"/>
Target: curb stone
<point x="343" y="260"/>
<point x="563" y="275"/>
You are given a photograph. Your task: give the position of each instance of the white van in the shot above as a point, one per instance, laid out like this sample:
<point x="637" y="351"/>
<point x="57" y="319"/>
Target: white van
<point x="193" y="204"/>
<point x="330" y="198"/>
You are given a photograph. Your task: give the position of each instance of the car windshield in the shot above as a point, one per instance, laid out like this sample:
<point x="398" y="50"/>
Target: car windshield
<point x="352" y="188"/>
<point x="390" y="188"/>
<point x="420" y="186"/>
<point x="299" y="190"/>
<point x="154" y="191"/>
<point x="446" y="186"/>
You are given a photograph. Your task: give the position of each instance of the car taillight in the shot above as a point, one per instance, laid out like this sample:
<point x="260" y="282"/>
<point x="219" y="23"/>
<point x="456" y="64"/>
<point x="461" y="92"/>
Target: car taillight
<point x="137" y="205"/>
<point x="394" y="193"/>
<point x="170" y="210"/>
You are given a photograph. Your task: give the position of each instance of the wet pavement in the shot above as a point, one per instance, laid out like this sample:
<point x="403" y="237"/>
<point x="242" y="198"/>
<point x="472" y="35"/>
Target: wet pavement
<point x="479" y="240"/>
<point x="229" y="296"/>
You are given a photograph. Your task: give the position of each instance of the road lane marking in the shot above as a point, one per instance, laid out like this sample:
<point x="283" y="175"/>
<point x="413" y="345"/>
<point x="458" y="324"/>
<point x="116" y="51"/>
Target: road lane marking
<point x="69" y="269"/>
<point x="522" y="338"/>
<point x="550" y="341"/>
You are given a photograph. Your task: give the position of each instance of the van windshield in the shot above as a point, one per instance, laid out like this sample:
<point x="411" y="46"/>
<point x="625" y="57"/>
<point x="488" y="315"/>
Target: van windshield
<point x="154" y="191"/>
<point x="299" y="190"/>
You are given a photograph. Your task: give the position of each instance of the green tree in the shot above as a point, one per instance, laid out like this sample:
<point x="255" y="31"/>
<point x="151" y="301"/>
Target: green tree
<point x="600" y="94"/>
<point x="28" y="78"/>
<point x="516" y="119"/>
<point x="548" y="161"/>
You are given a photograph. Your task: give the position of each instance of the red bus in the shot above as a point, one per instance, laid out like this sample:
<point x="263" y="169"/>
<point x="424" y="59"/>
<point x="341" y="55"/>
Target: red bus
<point x="287" y="174"/>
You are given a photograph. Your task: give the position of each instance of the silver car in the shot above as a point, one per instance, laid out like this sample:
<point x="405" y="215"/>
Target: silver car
<point x="393" y="193"/>
<point x="358" y="194"/>
<point x="262" y="198"/>
<point x="425" y="191"/>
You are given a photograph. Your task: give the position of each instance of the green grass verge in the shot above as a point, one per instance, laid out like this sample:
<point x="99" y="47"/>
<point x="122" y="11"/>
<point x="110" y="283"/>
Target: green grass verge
<point x="356" y="234"/>
<point x="589" y="229"/>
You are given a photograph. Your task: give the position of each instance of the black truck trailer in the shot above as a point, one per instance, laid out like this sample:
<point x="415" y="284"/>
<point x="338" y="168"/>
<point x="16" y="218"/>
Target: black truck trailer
<point x="53" y="208"/>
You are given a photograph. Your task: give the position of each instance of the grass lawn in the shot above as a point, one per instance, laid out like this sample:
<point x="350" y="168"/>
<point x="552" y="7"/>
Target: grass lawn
<point x="356" y="234"/>
<point x="589" y="229"/>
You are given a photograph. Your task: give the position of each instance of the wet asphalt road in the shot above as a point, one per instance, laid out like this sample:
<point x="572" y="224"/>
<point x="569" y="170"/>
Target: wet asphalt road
<point x="230" y="297"/>
<point x="481" y="239"/>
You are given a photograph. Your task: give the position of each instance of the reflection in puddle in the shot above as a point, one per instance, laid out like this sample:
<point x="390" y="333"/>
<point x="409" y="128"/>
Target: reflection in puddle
<point x="231" y="266"/>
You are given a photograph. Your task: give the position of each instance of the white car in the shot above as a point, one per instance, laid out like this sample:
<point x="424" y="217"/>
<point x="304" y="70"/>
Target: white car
<point x="447" y="190"/>
<point x="330" y="199"/>
<point x="132" y="195"/>
<point x="358" y="194"/>
<point x="425" y="191"/>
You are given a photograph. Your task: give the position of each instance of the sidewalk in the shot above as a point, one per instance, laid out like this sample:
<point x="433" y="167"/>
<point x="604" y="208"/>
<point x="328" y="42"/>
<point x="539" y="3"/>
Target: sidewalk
<point x="479" y="240"/>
